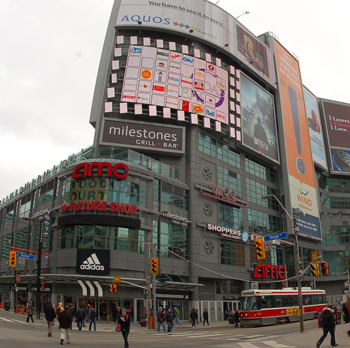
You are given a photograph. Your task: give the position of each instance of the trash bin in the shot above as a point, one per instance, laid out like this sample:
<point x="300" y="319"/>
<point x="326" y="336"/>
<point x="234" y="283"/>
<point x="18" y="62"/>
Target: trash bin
<point x="7" y="305"/>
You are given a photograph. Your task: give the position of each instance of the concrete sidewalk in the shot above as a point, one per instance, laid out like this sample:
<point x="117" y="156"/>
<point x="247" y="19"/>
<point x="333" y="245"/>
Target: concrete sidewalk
<point x="309" y="338"/>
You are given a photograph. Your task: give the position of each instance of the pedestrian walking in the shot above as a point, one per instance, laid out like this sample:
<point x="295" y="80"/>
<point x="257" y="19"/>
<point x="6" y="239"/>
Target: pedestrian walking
<point x="327" y="323"/>
<point x="177" y="316"/>
<point x="118" y="313"/>
<point x="72" y="313"/>
<point x="169" y="318"/>
<point x="346" y="313"/>
<point x="92" y="316"/>
<point x="59" y="309"/>
<point x="193" y="317"/>
<point x="161" y="319"/>
<point x="30" y="309"/>
<point x="205" y="316"/>
<point x="65" y="318"/>
<point x="236" y="318"/>
<point x="50" y="315"/>
<point x="124" y="321"/>
<point x="80" y="316"/>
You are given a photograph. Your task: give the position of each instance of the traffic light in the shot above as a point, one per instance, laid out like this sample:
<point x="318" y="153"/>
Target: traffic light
<point x="113" y="288"/>
<point x="260" y="248"/>
<point x="12" y="260"/>
<point x="324" y="268"/>
<point x="155" y="265"/>
<point x="43" y="286"/>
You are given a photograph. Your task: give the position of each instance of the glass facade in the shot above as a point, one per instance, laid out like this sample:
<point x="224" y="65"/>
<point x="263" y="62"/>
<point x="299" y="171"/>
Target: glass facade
<point x="101" y="237"/>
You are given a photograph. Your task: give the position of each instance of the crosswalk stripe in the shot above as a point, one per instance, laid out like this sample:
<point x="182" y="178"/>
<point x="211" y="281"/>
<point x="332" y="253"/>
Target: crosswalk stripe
<point x="264" y="337"/>
<point x="247" y="345"/>
<point x="4" y="319"/>
<point x="275" y="344"/>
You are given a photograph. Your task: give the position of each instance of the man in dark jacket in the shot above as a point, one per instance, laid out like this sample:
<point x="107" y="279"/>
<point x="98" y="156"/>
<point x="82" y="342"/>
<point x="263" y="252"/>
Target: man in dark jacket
<point x="193" y="317"/>
<point x="50" y="315"/>
<point x="169" y="318"/>
<point x="65" y="318"/>
<point x="80" y="316"/>
<point x="205" y="317"/>
<point x="161" y="319"/>
<point x="327" y="323"/>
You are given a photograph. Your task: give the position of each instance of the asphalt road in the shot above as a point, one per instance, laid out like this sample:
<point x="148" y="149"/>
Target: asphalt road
<point x="16" y="333"/>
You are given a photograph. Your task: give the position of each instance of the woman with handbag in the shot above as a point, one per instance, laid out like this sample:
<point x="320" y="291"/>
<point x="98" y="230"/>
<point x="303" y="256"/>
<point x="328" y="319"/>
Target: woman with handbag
<point x="124" y="326"/>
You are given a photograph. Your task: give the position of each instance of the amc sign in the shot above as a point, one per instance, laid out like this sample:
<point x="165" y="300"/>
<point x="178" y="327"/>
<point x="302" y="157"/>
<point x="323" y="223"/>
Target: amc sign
<point x="263" y="271"/>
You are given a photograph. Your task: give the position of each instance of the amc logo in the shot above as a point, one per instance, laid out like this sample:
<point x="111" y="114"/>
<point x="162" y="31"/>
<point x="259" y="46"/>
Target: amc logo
<point x="120" y="170"/>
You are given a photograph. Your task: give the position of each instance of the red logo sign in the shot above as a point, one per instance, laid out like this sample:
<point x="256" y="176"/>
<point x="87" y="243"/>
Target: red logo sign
<point x="270" y="271"/>
<point x="99" y="206"/>
<point x="120" y="170"/>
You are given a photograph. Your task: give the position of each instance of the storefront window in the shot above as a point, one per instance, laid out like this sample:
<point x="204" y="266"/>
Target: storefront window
<point x="102" y="237"/>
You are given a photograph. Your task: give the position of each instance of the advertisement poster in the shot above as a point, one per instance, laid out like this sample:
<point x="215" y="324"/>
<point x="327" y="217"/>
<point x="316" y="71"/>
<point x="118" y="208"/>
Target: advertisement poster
<point x="203" y="20"/>
<point x="175" y="80"/>
<point x="337" y="119"/>
<point x="258" y="119"/>
<point x="315" y="129"/>
<point x="301" y="176"/>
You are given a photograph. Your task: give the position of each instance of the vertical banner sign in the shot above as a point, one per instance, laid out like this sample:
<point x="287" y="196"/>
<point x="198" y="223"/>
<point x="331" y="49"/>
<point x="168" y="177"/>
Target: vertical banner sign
<point x="301" y="175"/>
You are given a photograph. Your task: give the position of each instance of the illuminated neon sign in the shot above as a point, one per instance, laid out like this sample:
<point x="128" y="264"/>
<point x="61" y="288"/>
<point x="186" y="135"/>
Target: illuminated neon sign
<point x="120" y="170"/>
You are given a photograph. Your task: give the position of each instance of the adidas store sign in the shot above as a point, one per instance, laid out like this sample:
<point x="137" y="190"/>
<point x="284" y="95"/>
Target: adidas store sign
<point x="93" y="262"/>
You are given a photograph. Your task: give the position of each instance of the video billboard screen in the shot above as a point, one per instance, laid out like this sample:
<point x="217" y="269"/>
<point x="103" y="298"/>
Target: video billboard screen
<point x="200" y="19"/>
<point x="175" y="80"/>
<point x="252" y="50"/>
<point x="301" y="174"/>
<point x="315" y="129"/>
<point x="337" y="120"/>
<point x="258" y="119"/>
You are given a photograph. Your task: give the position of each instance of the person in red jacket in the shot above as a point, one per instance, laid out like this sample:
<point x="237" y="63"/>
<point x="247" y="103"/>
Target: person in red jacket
<point x="65" y="318"/>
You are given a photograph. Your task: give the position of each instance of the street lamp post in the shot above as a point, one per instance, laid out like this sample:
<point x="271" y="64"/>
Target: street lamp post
<point x="295" y="231"/>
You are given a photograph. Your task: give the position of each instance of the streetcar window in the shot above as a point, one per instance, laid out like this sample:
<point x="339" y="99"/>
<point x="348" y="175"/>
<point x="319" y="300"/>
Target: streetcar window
<point x="294" y="301"/>
<point x="319" y="299"/>
<point x="324" y="300"/>
<point x="286" y="301"/>
<point x="278" y="301"/>
<point x="266" y="301"/>
<point x="313" y="299"/>
<point x="249" y="303"/>
<point x="306" y="300"/>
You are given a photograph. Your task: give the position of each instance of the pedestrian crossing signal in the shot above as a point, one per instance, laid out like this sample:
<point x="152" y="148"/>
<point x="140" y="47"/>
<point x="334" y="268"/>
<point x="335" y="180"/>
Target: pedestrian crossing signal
<point x="260" y="248"/>
<point x="324" y="268"/>
<point x="315" y="269"/>
<point x="113" y="288"/>
<point x="43" y="286"/>
<point x="12" y="259"/>
<point x="155" y="265"/>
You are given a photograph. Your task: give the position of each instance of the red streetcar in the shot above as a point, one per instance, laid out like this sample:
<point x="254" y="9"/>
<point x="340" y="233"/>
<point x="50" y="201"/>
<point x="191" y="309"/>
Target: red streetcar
<point x="270" y="307"/>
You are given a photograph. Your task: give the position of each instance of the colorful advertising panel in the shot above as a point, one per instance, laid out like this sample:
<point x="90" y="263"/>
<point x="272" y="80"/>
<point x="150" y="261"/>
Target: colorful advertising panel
<point x="301" y="176"/>
<point x="175" y="80"/>
<point x="258" y="119"/>
<point x="200" y="19"/>
<point x="337" y="119"/>
<point x="315" y="129"/>
<point x="149" y="136"/>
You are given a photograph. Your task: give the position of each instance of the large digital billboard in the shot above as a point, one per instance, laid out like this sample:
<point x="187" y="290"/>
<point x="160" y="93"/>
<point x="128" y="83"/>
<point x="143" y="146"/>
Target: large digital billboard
<point x="337" y="120"/>
<point x="175" y="80"/>
<point x="258" y="119"/>
<point x="315" y="129"/>
<point x="301" y="175"/>
<point x="201" y="19"/>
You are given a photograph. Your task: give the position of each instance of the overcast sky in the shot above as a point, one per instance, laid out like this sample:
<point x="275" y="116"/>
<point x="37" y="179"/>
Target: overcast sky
<point x="51" y="50"/>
